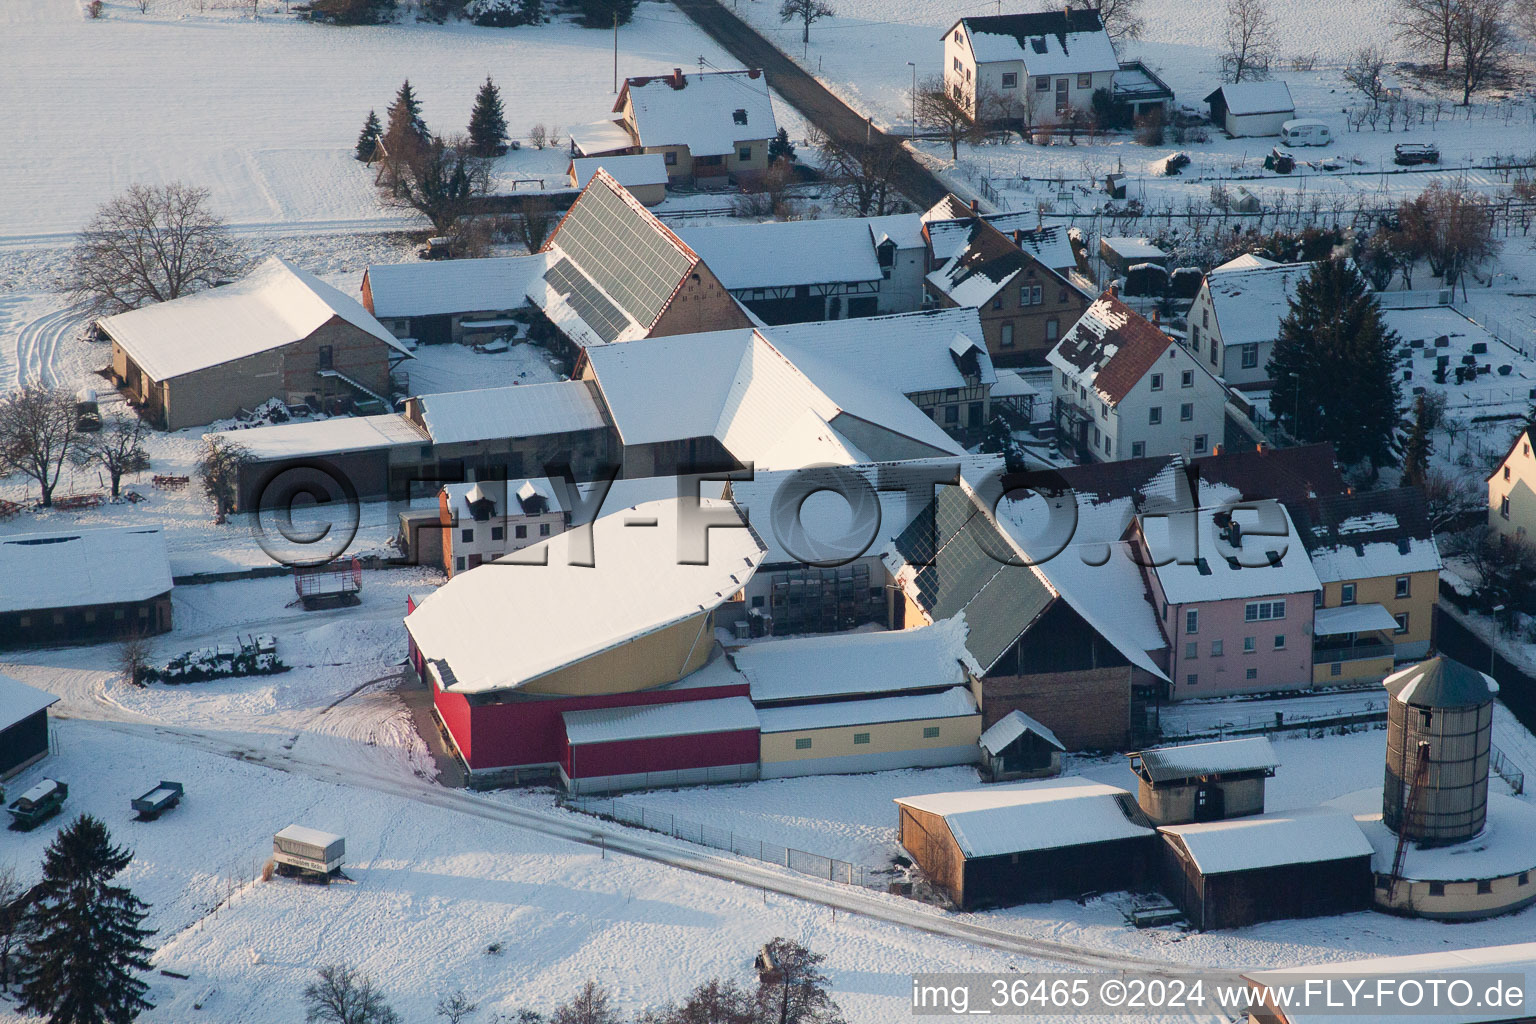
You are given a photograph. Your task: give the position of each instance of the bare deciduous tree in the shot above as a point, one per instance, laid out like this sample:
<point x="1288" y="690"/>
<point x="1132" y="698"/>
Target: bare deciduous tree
<point x="455" y="1007"/>
<point x="538" y="136"/>
<point x="342" y="995"/>
<point x="218" y="468"/>
<point x="535" y="222"/>
<point x="592" y="1005"/>
<point x="39" y="433"/>
<point x="133" y="657"/>
<point x="1364" y="72"/>
<point x="443" y="181"/>
<point x="12" y="919"/>
<point x="1428" y="26"/>
<point x="806" y="12"/>
<point x="938" y="111"/>
<point x="1122" y="18"/>
<point x="859" y="174"/>
<point x="1481" y="41"/>
<point x="1451" y="228"/>
<point x="797" y="994"/>
<point x="1250" y="41"/>
<point x="152" y="243"/>
<point x="118" y="448"/>
<point x="1451" y="501"/>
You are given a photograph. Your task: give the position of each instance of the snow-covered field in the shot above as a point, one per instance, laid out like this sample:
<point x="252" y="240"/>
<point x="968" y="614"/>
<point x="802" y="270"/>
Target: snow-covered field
<point x="264" y="112"/>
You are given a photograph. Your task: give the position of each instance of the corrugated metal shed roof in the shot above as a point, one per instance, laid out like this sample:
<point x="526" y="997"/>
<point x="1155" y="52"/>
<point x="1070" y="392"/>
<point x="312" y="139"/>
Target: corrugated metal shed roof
<point x="326" y="437"/>
<point x="1441" y="682"/>
<point x="442" y="287"/>
<point x="845" y="664"/>
<point x="1168" y="764"/>
<point x="658" y="721"/>
<point x="1047" y="815"/>
<point x="77" y="568"/>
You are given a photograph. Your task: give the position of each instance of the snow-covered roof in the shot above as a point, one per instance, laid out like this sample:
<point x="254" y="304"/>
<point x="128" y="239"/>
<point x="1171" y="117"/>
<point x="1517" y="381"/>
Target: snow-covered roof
<point x="1310" y="836"/>
<point x="1352" y="618"/>
<point x="1107" y="592"/>
<point x="659" y="721"/>
<point x="18" y="701"/>
<point x="444" y="287"/>
<point x="598" y="137"/>
<point x="1441" y="682"/>
<point x="1249" y="304"/>
<point x="907" y="352"/>
<point x="1059" y="42"/>
<point x="737" y="387"/>
<point x="952" y="703"/>
<point x="518" y="410"/>
<point x="1506" y="845"/>
<point x="1519" y="958"/>
<point x="783" y="254"/>
<point x="74" y="568"/>
<point x="1045" y="815"/>
<point x="274" y="305"/>
<point x="308" y="836"/>
<point x="827" y="528"/>
<point x="1011" y="384"/>
<point x="846" y="664"/>
<point x="310" y="438"/>
<point x="1244" y="98"/>
<point x="1368" y="534"/>
<point x="1112" y="347"/>
<point x="1270" y="562"/>
<point x="987" y="263"/>
<point x="534" y="496"/>
<point x="1137" y="248"/>
<point x="1192" y="760"/>
<point x="631" y="170"/>
<point x="507" y="623"/>
<point x="904" y="230"/>
<point x="1247" y="261"/>
<point x="709" y="113"/>
<point x="1050" y="245"/>
<point x="1010" y="727"/>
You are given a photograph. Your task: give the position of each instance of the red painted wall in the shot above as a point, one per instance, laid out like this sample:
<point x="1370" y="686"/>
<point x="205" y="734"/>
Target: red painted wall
<point x="454" y="710"/>
<point x="669" y="753"/>
<point x="532" y="732"/>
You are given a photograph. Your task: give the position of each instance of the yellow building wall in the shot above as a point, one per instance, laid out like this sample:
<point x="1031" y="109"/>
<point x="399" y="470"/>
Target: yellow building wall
<point x="1423" y="594"/>
<point x="885" y="738"/>
<point x="664" y="656"/>
<point x="1520" y="489"/>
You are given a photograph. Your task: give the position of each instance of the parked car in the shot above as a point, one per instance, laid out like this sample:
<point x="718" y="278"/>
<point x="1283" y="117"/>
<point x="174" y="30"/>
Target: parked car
<point x="1409" y="153"/>
<point x="1305" y="131"/>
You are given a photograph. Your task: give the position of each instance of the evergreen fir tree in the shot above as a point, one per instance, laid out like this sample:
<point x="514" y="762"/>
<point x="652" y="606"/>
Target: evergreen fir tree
<point x="488" y="122"/>
<point x="1418" y="448"/>
<point x="601" y="13"/>
<point x="532" y="11"/>
<point x="86" y="950"/>
<point x="368" y="139"/>
<point x="405" y="116"/>
<point x="780" y="147"/>
<point x="1335" y="367"/>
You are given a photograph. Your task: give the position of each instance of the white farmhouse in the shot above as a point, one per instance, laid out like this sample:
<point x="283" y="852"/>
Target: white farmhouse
<point x="484" y="520"/>
<point x="1123" y="390"/>
<point x="1235" y="318"/>
<point x="1038" y="67"/>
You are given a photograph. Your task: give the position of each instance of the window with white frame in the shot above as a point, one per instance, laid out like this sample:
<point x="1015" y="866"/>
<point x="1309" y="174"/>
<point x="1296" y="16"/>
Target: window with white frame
<point x="1157" y="382"/>
<point x="1402" y="623"/>
<point x="1043" y="83"/>
<point x="1052" y="329"/>
<point x="1347" y="593"/>
<point x="1216" y="648"/>
<point x="1155" y="415"/>
<point x="1005" y="335"/>
<point x="1250" y="356"/>
<point x="1138" y="449"/>
<point x="959" y="66"/>
<point x="1187" y="379"/>
<point x="1085" y="81"/>
<point x="1200" y="443"/>
<point x="1402" y="586"/>
<point x="1279" y="641"/>
<point x="1010" y="80"/>
<point x="1192" y="620"/>
<point x="1192" y="649"/>
<point x="1263" y="611"/>
<point x="1186" y="412"/>
<point x="1250" y="644"/>
<point x="1036" y="295"/>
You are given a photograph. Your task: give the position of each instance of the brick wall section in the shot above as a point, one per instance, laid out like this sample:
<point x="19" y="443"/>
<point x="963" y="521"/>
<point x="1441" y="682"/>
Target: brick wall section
<point x="1087" y="710"/>
<point x="701" y="304"/>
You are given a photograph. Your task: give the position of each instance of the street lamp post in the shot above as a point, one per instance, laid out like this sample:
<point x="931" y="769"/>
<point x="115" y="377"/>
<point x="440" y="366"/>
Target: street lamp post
<point x="913" y="130"/>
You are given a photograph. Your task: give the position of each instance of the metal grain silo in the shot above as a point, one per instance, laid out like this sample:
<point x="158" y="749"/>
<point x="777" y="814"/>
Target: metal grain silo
<point x="1448" y="706"/>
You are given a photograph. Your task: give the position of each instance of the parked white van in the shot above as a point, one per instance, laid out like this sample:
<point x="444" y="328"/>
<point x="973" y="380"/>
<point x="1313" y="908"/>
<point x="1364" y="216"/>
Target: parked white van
<point x="1305" y="131"/>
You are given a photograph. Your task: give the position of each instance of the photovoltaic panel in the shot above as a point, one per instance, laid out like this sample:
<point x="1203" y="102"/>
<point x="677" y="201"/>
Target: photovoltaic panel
<point x="624" y="251"/>
<point x="948" y="512"/>
<point x="590" y="304"/>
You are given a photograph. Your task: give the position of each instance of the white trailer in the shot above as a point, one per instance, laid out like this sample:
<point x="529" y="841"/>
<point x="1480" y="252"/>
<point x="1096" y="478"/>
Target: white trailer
<point x="297" y="848"/>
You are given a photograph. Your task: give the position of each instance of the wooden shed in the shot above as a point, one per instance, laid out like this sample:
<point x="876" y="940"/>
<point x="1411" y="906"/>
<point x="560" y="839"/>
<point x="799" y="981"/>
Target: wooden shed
<point x="1041" y="841"/>
<point x="1227" y="874"/>
<point x="1203" y="781"/>
<point x="23" y="725"/>
<point x="1018" y="747"/>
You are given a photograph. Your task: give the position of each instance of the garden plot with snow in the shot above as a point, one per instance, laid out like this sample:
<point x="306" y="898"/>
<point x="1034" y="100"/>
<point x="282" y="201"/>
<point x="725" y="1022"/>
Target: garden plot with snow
<point x="264" y="113"/>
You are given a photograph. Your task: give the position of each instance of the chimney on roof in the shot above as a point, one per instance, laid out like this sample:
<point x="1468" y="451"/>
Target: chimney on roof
<point x="1261" y="448"/>
<point x="754" y="72"/>
<point x="1157" y="319"/>
<point x="1018" y="236"/>
<point x="677" y="78"/>
<point x="1216" y="450"/>
<point x="975" y="207"/>
<point x="1113" y="291"/>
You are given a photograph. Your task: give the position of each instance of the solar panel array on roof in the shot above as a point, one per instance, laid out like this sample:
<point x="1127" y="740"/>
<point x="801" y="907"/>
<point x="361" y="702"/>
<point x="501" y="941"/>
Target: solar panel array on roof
<point x="963" y="567"/>
<point x="1002" y="611"/>
<point x="938" y="523"/>
<point x="583" y="296"/>
<point x="620" y="248"/>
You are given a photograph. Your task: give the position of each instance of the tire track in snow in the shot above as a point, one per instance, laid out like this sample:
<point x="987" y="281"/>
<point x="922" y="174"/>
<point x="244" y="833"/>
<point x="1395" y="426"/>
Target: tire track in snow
<point x="875" y="906"/>
<point x="39" y="342"/>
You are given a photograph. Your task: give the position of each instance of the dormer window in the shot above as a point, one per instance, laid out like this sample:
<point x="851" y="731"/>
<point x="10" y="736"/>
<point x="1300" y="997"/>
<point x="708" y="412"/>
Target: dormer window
<point x="739" y="115"/>
<point x="1038" y="44"/>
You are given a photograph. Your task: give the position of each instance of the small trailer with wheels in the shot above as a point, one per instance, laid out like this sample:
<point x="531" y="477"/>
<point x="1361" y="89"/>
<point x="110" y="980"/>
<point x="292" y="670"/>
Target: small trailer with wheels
<point x="37" y="804"/>
<point x="308" y="852"/>
<point x="158" y="800"/>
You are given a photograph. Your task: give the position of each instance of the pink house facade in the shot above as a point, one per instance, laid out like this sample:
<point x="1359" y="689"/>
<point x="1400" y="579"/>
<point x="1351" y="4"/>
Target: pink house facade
<point x="1236" y="605"/>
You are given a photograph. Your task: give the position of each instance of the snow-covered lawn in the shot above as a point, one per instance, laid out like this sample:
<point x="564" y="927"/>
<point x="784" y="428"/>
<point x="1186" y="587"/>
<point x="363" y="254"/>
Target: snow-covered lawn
<point x="264" y="112"/>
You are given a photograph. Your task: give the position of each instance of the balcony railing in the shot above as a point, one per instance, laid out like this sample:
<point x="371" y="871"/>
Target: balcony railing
<point x="1360" y="650"/>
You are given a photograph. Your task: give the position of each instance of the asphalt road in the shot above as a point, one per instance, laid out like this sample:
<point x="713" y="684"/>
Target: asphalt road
<point x="805" y="94"/>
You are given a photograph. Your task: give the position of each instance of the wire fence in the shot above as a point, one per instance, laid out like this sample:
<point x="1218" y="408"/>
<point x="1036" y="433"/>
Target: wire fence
<point x="1357" y="714"/>
<point x="804" y="862"/>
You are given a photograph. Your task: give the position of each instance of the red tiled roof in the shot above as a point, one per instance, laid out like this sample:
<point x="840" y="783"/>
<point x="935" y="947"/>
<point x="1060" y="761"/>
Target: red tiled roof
<point x="1116" y="344"/>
